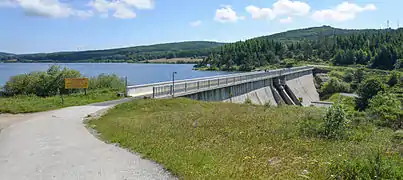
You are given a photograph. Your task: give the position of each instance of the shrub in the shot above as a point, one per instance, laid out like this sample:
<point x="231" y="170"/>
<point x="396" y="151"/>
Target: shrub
<point x="368" y="89"/>
<point x="393" y="78"/>
<point x="248" y="101"/>
<point x="332" y="86"/>
<point x="40" y="83"/>
<point x="104" y="81"/>
<point x="368" y="166"/>
<point x="386" y="109"/>
<point x="51" y="82"/>
<point x="335" y="122"/>
<point x="336" y="74"/>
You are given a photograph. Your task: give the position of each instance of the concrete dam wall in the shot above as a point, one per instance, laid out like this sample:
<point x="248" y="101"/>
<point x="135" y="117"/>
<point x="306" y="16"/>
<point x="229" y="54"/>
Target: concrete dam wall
<point x="288" y="89"/>
<point x="302" y="85"/>
<point x="291" y="86"/>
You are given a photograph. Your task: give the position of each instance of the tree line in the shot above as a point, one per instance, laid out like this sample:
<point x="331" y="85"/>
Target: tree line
<point x="139" y="53"/>
<point x="380" y="49"/>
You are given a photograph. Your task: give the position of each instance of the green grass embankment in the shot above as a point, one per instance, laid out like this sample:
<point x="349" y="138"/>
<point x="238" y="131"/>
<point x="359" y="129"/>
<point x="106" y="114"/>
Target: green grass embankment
<point x="28" y="104"/>
<point x="205" y="140"/>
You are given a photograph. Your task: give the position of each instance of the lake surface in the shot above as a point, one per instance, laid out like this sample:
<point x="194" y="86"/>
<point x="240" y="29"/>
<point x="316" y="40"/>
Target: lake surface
<point x="136" y="73"/>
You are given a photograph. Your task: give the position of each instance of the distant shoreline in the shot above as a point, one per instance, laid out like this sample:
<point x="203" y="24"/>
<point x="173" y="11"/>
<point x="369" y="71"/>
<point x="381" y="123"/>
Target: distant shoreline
<point x="152" y="61"/>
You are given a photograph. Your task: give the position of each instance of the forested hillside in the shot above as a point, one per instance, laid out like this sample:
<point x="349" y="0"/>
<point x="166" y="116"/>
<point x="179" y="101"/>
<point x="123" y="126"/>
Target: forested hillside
<point x="312" y="33"/>
<point x="138" y="53"/>
<point x="5" y="54"/>
<point x="380" y="49"/>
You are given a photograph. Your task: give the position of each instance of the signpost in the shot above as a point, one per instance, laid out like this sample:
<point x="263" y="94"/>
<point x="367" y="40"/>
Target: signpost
<point x="76" y="83"/>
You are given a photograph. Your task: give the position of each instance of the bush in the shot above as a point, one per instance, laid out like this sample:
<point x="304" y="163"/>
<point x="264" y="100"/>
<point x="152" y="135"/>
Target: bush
<point x="40" y="83"/>
<point x="369" y="166"/>
<point x="332" y="86"/>
<point x="248" y="101"/>
<point x="51" y="82"/>
<point x="104" y="81"/>
<point x="335" y="122"/>
<point x="386" y="109"/>
<point x="368" y="89"/>
<point x="394" y="78"/>
<point x="336" y="74"/>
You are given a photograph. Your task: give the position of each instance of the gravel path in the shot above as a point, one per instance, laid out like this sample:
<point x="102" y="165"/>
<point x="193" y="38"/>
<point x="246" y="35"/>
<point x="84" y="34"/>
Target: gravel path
<point x="56" y="145"/>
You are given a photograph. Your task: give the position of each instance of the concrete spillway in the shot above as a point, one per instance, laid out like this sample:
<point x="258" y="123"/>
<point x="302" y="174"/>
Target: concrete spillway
<point x="304" y="87"/>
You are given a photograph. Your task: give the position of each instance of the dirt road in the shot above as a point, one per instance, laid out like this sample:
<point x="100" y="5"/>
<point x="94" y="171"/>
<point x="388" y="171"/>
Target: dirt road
<point x="56" y="145"/>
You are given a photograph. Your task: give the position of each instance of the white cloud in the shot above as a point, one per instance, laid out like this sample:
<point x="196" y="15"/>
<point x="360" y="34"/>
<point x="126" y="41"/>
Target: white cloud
<point x="140" y="4"/>
<point x="124" y="12"/>
<point x="45" y="8"/>
<point x="123" y="9"/>
<point x="6" y="3"/>
<point x="259" y="13"/>
<point x="195" y="23"/>
<point x="343" y="12"/>
<point x="287" y="7"/>
<point x="286" y="20"/>
<point x="58" y="9"/>
<point x="227" y="14"/>
<point x="280" y="8"/>
<point x="119" y="9"/>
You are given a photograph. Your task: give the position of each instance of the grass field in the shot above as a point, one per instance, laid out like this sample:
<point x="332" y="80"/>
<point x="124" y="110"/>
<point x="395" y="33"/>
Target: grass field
<point x="173" y="60"/>
<point x="204" y="140"/>
<point x="28" y="104"/>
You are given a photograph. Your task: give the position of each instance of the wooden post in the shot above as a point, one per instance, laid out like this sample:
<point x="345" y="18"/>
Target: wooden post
<point x="126" y="93"/>
<point x="61" y="96"/>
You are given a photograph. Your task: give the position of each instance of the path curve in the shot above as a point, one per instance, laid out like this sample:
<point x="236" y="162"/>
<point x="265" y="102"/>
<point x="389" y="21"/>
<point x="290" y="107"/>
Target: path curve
<point x="56" y="145"/>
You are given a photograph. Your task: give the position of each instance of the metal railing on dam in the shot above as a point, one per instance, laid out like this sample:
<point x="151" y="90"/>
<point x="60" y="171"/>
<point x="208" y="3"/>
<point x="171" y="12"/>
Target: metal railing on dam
<point x="189" y="86"/>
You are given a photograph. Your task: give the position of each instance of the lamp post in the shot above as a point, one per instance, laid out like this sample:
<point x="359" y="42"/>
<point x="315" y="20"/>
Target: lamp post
<point x="173" y="84"/>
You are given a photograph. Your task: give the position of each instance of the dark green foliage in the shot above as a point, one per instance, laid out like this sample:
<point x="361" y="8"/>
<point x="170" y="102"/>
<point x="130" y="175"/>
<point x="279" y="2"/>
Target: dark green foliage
<point x="5" y="54"/>
<point x="335" y="122"/>
<point x="386" y="110"/>
<point x="394" y="78"/>
<point x="42" y="84"/>
<point x="313" y="33"/>
<point x="373" y="48"/>
<point x="138" y="53"/>
<point x="51" y="82"/>
<point x="368" y="89"/>
<point x="334" y="85"/>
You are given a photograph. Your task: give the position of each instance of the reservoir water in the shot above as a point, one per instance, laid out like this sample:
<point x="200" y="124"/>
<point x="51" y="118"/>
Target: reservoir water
<point x="136" y="73"/>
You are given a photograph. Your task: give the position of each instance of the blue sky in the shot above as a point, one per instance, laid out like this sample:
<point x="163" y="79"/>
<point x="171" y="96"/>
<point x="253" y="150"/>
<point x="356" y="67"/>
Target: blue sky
<point x="31" y="26"/>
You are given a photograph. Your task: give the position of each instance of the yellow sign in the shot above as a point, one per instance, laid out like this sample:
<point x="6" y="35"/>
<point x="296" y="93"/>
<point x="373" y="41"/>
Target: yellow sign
<point x="76" y="83"/>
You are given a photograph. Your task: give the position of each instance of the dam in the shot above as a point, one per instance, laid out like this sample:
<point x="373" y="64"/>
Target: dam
<point x="291" y="86"/>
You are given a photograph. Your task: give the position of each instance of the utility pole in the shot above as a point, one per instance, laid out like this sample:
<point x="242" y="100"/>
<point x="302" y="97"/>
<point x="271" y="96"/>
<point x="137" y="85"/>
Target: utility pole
<point x="387" y="22"/>
<point x="173" y="84"/>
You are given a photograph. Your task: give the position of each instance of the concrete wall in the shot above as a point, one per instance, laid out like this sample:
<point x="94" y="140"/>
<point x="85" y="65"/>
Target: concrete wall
<point x="280" y="90"/>
<point x="260" y="96"/>
<point x="259" y="92"/>
<point x="302" y="85"/>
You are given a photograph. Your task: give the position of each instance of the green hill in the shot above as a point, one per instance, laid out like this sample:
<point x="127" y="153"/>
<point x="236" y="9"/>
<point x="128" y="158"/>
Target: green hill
<point x="5" y="54"/>
<point x="381" y="49"/>
<point x="138" y="53"/>
<point x="313" y="33"/>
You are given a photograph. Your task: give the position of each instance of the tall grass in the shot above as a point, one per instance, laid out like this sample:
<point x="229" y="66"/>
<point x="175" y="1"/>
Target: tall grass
<point x="40" y="91"/>
<point x="204" y="140"/>
<point x="32" y="103"/>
